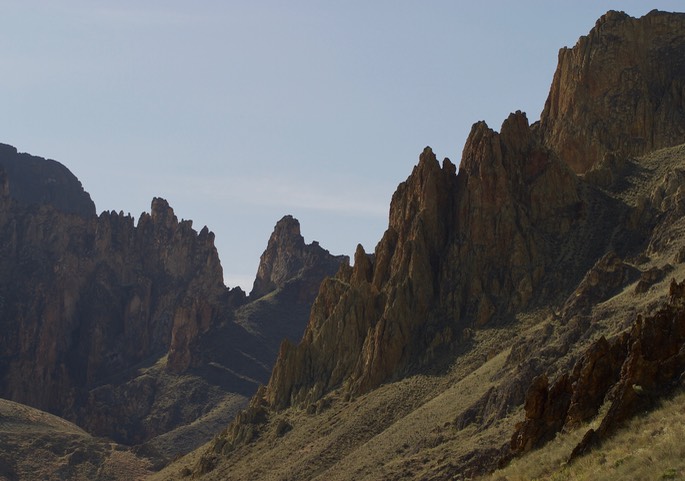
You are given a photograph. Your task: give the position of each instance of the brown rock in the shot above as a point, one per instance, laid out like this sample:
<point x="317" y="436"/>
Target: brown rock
<point x="619" y="89"/>
<point x="38" y="181"/>
<point x="605" y="279"/>
<point x="459" y="250"/>
<point x="630" y="371"/>
<point x="287" y="257"/>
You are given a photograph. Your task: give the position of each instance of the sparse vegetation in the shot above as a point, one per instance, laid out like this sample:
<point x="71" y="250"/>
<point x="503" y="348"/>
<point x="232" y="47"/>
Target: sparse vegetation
<point x="650" y="447"/>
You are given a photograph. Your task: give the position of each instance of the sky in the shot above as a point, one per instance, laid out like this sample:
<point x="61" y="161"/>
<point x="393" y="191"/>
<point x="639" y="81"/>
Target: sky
<point x="240" y="112"/>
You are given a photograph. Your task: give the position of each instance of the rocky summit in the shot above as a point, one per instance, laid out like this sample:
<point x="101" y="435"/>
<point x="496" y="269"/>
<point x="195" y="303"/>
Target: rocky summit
<point x="618" y="91"/>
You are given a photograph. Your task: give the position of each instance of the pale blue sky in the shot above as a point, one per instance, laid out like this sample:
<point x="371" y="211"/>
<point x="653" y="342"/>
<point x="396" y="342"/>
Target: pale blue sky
<point x="239" y="112"/>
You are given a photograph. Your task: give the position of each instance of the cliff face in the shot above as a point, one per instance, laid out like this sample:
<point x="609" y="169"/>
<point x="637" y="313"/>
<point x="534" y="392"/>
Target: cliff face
<point x="101" y="317"/>
<point x="85" y="299"/>
<point x="492" y="278"/>
<point x="461" y="250"/>
<point x="288" y="258"/>
<point x="512" y="228"/>
<point x="620" y="89"/>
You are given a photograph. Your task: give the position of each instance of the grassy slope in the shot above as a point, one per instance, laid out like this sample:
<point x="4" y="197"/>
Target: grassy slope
<point x="650" y="447"/>
<point x="35" y="445"/>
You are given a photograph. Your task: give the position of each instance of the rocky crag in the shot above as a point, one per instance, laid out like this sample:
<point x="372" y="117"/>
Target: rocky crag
<point x="618" y="91"/>
<point x="467" y="249"/>
<point x="630" y="371"/>
<point x="514" y="232"/>
<point x="124" y="327"/>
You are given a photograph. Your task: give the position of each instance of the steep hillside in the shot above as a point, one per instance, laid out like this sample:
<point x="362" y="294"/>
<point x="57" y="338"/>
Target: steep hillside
<point x="37" y="446"/>
<point x="416" y="362"/>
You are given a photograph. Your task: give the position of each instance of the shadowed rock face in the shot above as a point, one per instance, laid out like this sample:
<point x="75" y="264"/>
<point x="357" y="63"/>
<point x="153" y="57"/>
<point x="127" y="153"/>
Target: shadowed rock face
<point x="288" y="258"/>
<point x="620" y="89"/>
<point x="101" y="317"/>
<point x="36" y="181"/>
<point x="85" y="299"/>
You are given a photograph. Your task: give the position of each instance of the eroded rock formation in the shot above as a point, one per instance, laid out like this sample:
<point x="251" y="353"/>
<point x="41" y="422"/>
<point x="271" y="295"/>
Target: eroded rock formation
<point x="38" y="181"/>
<point x="629" y="371"/>
<point x="620" y="89"/>
<point x="287" y="258"/>
<point x="515" y="227"/>
<point x="101" y="315"/>
<point x="460" y="250"/>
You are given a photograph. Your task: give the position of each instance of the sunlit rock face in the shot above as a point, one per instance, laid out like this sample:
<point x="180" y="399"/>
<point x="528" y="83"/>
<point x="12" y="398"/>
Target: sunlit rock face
<point x="461" y="250"/>
<point x="629" y="372"/>
<point x="620" y="89"/>
<point x="511" y="228"/>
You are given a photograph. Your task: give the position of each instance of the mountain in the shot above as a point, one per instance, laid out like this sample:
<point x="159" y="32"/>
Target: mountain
<point x="547" y="255"/>
<point x="125" y="328"/>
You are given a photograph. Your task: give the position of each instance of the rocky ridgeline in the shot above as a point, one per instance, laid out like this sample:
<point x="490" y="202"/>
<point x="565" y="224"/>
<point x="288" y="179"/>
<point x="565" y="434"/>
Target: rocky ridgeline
<point x="87" y="301"/>
<point x="461" y="250"/>
<point x="87" y="298"/>
<point x="35" y="180"/>
<point x="515" y="227"/>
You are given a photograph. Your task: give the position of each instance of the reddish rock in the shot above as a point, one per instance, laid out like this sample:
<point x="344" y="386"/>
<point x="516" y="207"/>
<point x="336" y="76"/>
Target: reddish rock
<point x="619" y="89"/>
<point x="630" y="371"/>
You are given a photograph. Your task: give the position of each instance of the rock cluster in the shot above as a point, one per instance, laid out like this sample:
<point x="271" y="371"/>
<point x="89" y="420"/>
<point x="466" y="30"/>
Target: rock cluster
<point x="461" y="250"/>
<point x="629" y="372"/>
<point x="85" y="299"/>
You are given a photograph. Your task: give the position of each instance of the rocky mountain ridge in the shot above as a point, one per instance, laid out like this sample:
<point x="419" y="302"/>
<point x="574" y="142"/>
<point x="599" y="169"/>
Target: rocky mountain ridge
<point x="35" y="180"/>
<point x="126" y="327"/>
<point x="515" y="230"/>
<point x="618" y="91"/>
<point x="480" y="245"/>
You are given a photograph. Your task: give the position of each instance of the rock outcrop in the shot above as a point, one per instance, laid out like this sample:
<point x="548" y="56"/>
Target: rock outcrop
<point x="461" y="250"/>
<point x="37" y="181"/>
<point x="288" y="258"/>
<point x="515" y="227"/>
<point x="84" y="300"/>
<point x="620" y="89"/>
<point x="629" y="371"/>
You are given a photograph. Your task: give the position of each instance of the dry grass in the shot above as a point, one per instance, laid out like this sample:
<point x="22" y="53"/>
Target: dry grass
<point x="402" y="430"/>
<point x="650" y="447"/>
<point x="35" y="445"/>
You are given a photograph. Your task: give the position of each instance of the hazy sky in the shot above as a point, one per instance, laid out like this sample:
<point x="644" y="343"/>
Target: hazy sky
<point x="239" y="112"/>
